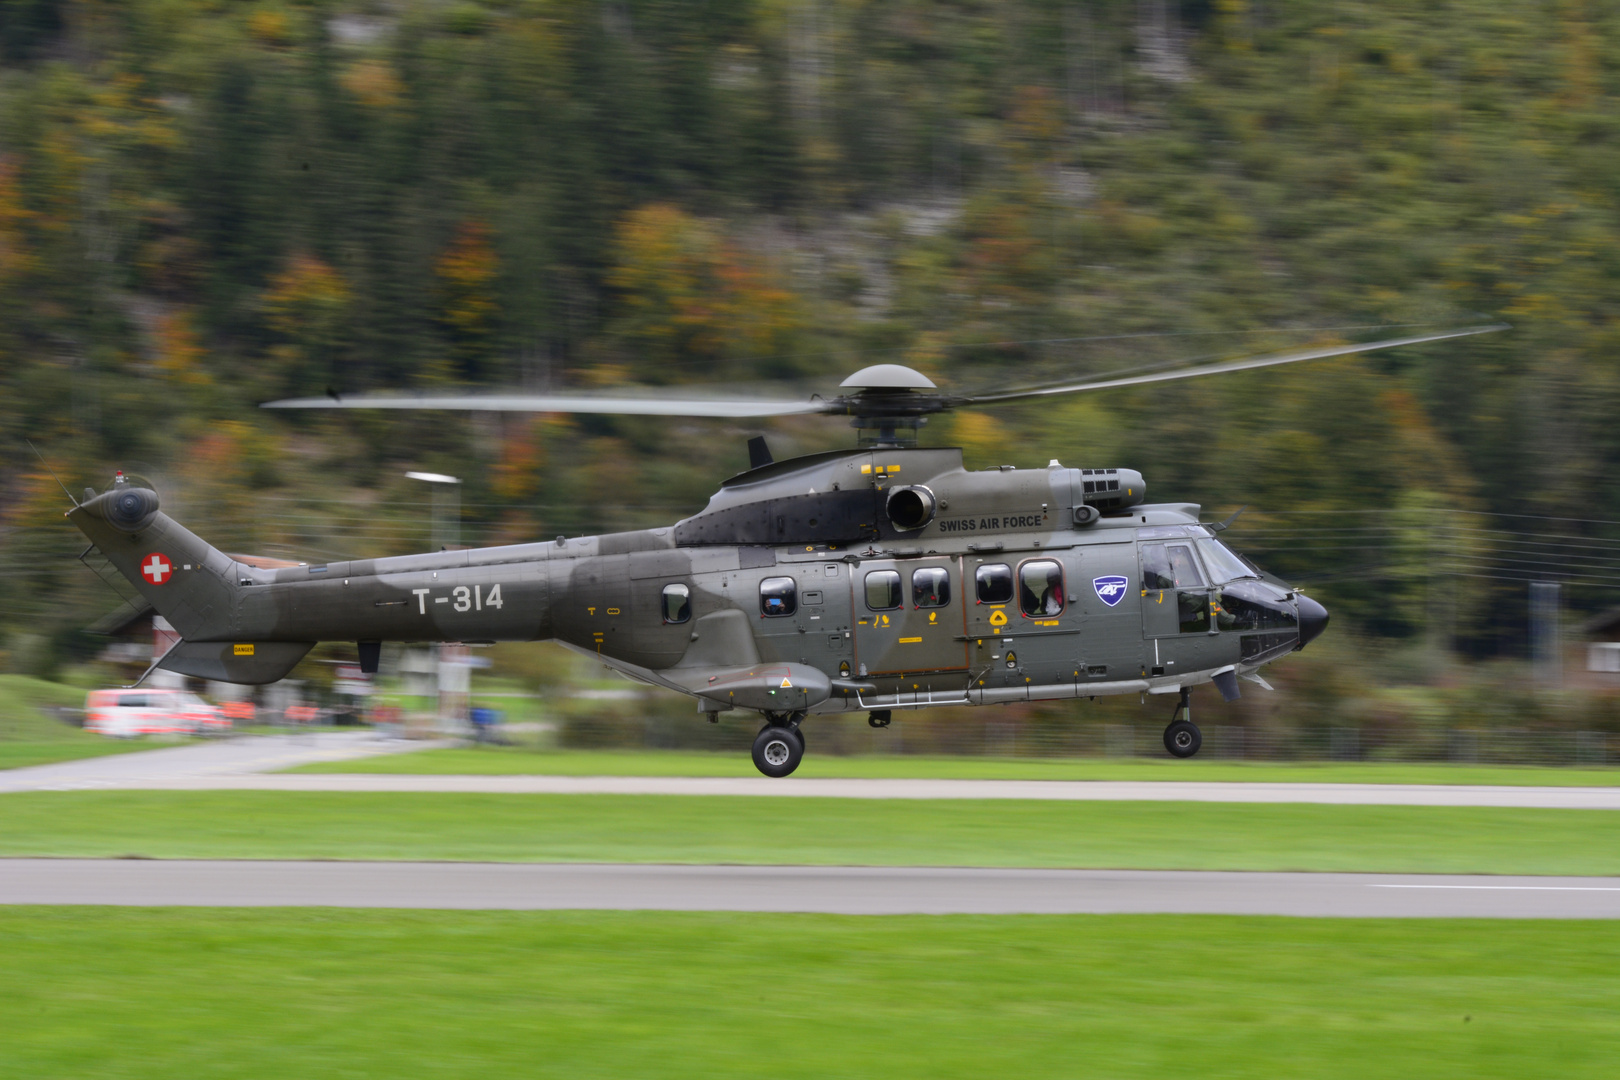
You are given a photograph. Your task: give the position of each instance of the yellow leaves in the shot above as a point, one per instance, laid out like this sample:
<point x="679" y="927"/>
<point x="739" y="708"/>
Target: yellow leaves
<point x="1580" y="60"/>
<point x="523" y="455"/>
<point x="35" y="500"/>
<point x="686" y="289"/>
<point x="981" y="436"/>
<point x="222" y="465"/>
<point x="665" y="259"/>
<point x="270" y="26"/>
<point x="1008" y="257"/>
<point x="180" y="353"/>
<point x="374" y="83"/>
<point x="15" y="258"/>
<point x="467" y="272"/>
<point x="1233" y="21"/>
<point x="306" y="299"/>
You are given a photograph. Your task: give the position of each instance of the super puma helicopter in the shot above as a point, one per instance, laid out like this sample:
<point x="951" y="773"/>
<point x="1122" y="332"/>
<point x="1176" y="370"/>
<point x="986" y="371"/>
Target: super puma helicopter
<point x="866" y="580"/>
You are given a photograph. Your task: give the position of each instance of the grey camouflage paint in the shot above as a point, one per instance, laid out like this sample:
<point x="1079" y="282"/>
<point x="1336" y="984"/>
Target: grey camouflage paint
<point x="820" y="521"/>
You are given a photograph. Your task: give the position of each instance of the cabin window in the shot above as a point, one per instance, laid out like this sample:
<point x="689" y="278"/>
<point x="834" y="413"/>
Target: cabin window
<point x="677" y="603"/>
<point x="1040" y="588"/>
<point x="778" y="596"/>
<point x="883" y="590"/>
<point x="931" y="587"/>
<point x="994" y="583"/>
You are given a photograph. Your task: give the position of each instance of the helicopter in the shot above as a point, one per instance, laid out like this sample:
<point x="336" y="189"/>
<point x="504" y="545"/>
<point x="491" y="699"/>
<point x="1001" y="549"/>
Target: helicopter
<point x="871" y="580"/>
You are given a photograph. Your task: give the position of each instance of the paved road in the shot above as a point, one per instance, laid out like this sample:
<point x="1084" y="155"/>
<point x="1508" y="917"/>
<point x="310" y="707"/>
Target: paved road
<point x="200" y="762"/>
<point x="249" y="764"/>
<point x="1581" y="798"/>
<point x="838" y="890"/>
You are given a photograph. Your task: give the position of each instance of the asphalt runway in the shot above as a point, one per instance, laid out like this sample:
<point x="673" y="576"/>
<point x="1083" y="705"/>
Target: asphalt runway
<point x="845" y="890"/>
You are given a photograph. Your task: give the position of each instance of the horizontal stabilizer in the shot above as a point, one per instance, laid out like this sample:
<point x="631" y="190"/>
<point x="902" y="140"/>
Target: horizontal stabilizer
<point x="118" y="619"/>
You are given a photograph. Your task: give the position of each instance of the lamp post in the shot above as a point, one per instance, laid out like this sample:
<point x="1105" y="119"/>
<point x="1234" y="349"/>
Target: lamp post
<point x="446" y="489"/>
<point x="452" y="666"/>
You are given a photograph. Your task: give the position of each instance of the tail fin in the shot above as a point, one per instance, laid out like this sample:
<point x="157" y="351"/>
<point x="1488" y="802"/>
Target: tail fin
<point x="192" y="584"/>
<point x="186" y="580"/>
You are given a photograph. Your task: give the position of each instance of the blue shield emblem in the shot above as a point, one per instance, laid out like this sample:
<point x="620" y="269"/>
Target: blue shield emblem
<point x="1110" y="589"/>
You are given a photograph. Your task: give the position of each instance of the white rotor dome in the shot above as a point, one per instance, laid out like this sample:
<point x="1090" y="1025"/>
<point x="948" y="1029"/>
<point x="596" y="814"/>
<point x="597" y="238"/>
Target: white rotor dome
<point x="888" y="377"/>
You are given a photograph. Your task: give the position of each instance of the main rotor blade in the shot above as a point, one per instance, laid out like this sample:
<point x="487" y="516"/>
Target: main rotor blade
<point x="738" y="408"/>
<point x="1270" y="360"/>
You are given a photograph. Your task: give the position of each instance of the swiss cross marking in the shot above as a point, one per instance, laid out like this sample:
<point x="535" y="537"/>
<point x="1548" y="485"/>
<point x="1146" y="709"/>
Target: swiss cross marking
<point x="156" y="568"/>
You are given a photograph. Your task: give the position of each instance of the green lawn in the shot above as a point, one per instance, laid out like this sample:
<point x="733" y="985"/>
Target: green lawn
<point x="505" y="761"/>
<point x="322" y="993"/>
<point x="681" y="829"/>
<point x="29" y="737"/>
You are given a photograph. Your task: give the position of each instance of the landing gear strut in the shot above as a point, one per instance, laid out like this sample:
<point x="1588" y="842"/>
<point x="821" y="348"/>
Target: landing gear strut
<point x="1182" y="738"/>
<point x="779" y="746"/>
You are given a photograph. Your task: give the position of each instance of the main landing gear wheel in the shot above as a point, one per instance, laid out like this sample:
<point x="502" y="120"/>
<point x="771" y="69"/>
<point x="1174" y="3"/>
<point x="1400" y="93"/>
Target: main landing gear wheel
<point x="1182" y="738"/>
<point x="778" y="750"/>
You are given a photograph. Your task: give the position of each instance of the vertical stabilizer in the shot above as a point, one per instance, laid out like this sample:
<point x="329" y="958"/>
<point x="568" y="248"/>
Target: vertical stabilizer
<point x="188" y="582"/>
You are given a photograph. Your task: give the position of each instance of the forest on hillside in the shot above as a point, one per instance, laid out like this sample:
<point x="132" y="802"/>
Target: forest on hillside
<point x="206" y="205"/>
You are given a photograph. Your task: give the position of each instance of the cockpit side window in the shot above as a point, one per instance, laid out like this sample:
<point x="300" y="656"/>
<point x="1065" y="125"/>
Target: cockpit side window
<point x="1223" y="565"/>
<point x="1184" y="567"/>
<point x="778" y="596"/>
<point x="1156" y="568"/>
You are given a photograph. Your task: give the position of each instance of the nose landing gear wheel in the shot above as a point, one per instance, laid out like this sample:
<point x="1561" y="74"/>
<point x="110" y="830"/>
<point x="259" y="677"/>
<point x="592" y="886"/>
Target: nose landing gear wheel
<point x="777" y="750"/>
<point x="1182" y="738"/>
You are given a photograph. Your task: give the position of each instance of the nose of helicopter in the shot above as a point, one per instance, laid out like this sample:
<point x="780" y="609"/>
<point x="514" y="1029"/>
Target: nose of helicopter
<point x="1313" y="619"/>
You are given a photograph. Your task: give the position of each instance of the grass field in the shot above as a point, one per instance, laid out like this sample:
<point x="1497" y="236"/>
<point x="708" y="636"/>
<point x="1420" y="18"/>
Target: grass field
<point x="679" y="829"/>
<point x="506" y="761"/>
<point x="161" y="993"/>
<point x="29" y="737"/>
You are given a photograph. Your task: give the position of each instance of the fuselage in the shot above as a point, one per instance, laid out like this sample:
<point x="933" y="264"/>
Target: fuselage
<point x="1015" y="587"/>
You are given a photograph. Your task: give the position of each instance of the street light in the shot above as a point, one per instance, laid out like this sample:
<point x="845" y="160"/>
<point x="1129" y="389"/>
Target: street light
<point x="446" y="489"/>
<point x="452" y="664"/>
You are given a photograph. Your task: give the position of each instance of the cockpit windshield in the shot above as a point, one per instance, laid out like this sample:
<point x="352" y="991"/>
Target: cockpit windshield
<point x="1223" y="565"/>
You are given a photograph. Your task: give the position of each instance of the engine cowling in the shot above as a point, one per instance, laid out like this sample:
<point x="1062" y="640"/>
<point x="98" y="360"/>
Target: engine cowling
<point x="910" y="508"/>
<point x="1110" y="489"/>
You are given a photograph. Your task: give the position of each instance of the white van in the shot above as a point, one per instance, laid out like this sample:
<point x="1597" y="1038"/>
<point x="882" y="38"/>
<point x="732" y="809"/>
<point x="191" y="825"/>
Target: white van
<point x="125" y="714"/>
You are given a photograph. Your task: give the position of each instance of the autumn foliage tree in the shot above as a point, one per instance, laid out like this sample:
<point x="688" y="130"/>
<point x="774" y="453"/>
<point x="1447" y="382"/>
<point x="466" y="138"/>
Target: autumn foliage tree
<point x="466" y="274"/>
<point x="305" y="305"/>
<point x="688" y="295"/>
